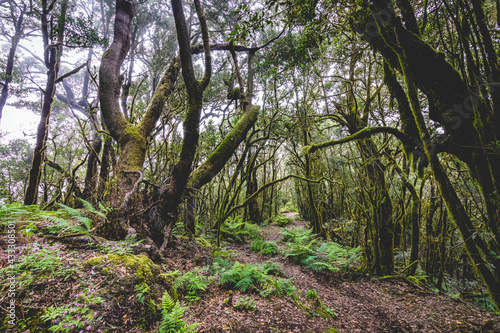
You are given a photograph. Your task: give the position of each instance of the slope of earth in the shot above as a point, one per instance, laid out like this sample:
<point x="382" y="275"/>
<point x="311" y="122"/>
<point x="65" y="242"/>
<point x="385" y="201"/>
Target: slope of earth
<point x="368" y="305"/>
<point x="68" y="284"/>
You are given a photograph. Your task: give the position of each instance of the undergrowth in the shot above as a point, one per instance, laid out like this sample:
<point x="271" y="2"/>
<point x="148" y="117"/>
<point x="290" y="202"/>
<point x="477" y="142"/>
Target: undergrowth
<point x="237" y="231"/>
<point x="35" y="262"/>
<point x="282" y="221"/>
<point x="304" y="247"/>
<point x="264" y="247"/>
<point x="172" y="314"/>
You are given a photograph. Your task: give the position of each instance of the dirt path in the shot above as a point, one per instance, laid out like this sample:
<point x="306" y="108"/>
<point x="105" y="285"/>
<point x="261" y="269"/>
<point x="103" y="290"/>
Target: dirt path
<point x="364" y="306"/>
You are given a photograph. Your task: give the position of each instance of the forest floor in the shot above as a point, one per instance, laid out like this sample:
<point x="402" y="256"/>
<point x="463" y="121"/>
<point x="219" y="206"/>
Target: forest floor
<point x="83" y="290"/>
<point x="367" y="305"/>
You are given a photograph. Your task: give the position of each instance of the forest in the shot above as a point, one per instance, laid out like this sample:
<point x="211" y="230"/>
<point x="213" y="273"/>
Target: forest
<point x="250" y="166"/>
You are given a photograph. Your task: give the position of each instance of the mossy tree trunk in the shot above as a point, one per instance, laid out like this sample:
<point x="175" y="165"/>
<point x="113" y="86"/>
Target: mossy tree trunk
<point x="172" y="194"/>
<point x="254" y="213"/>
<point x="380" y="229"/>
<point x="182" y="176"/>
<point x="52" y="58"/>
<point x="132" y="139"/>
<point x="470" y="124"/>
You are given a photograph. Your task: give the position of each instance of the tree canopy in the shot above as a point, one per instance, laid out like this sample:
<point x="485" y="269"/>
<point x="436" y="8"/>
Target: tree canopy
<point x="377" y="121"/>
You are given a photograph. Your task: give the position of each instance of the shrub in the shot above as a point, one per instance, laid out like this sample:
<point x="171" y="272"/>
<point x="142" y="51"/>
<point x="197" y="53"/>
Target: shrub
<point x="264" y="248"/>
<point x="282" y="221"/>
<point x="237" y="231"/>
<point x="302" y="247"/>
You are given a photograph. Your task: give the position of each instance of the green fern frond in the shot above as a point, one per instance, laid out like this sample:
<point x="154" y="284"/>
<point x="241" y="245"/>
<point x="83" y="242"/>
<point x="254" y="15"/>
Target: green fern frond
<point x="166" y="301"/>
<point x="244" y="283"/>
<point x="71" y="211"/>
<point x="319" y="266"/>
<point x="172" y="313"/>
<point x="100" y="212"/>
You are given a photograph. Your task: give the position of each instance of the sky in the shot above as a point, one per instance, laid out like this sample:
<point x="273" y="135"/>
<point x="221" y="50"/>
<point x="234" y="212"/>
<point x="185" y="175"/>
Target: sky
<point x="15" y="123"/>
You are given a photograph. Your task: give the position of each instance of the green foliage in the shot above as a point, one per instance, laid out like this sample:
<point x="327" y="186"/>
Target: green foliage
<point x="81" y="31"/>
<point x="120" y="247"/>
<point x="245" y="303"/>
<point x="29" y="230"/>
<point x="37" y="262"/>
<point x="300" y="243"/>
<point x="302" y="247"/>
<point x="333" y="253"/>
<point x="264" y="248"/>
<point x="74" y="316"/>
<point x="296" y="235"/>
<point x="312" y="294"/>
<point x="237" y="231"/>
<point x="15" y="162"/>
<point x="256" y="245"/>
<point x="279" y="287"/>
<point x="272" y="268"/>
<point x="225" y="253"/>
<point x="15" y="213"/>
<point x="290" y="206"/>
<point x="194" y="281"/>
<point x="495" y="146"/>
<point x="68" y="220"/>
<point x="141" y="290"/>
<point x="282" y="221"/>
<point x="172" y="313"/>
<point x="244" y="277"/>
<point x="63" y="221"/>
<point x="253" y="277"/>
<point x="220" y="264"/>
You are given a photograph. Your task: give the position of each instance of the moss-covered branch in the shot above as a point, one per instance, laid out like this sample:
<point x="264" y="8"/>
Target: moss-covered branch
<point x="206" y="45"/>
<point x="161" y="94"/>
<point x="360" y="135"/>
<point x="216" y="161"/>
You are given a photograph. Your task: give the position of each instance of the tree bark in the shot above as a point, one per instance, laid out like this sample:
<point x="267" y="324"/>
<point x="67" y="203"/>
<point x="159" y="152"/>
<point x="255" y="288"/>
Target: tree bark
<point x="53" y="55"/>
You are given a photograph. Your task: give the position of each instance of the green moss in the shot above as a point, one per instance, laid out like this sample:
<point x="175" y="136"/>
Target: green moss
<point x="93" y="262"/>
<point x="133" y="145"/>
<point x="330" y="330"/>
<point x="139" y="265"/>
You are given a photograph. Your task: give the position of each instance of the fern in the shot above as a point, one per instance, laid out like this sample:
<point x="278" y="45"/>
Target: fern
<point x="303" y="247"/>
<point x="102" y="211"/>
<point x="64" y="225"/>
<point x="172" y="317"/>
<point x="193" y="280"/>
<point x="167" y="301"/>
<point x="237" y="231"/>
<point x="299" y="252"/>
<point x="319" y="266"/>
<point x="243" y="277"/>
<point x="11" y="213"/>
<point x="297" y="235"/>
<point x="282" y="221"/>
<point x="264" y="248"/>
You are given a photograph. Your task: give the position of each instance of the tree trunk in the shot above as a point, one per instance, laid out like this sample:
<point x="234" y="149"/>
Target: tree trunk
<point x="53" y="55"/>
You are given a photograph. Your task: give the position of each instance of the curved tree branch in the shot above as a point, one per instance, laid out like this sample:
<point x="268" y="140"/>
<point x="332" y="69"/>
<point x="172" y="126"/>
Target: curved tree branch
<point x="362" y="134"/>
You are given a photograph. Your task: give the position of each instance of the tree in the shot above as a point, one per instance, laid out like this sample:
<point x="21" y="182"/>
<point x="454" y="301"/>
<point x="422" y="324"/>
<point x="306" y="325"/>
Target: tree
<point x="52" y="58"/>
<point x="17" y="16"/>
